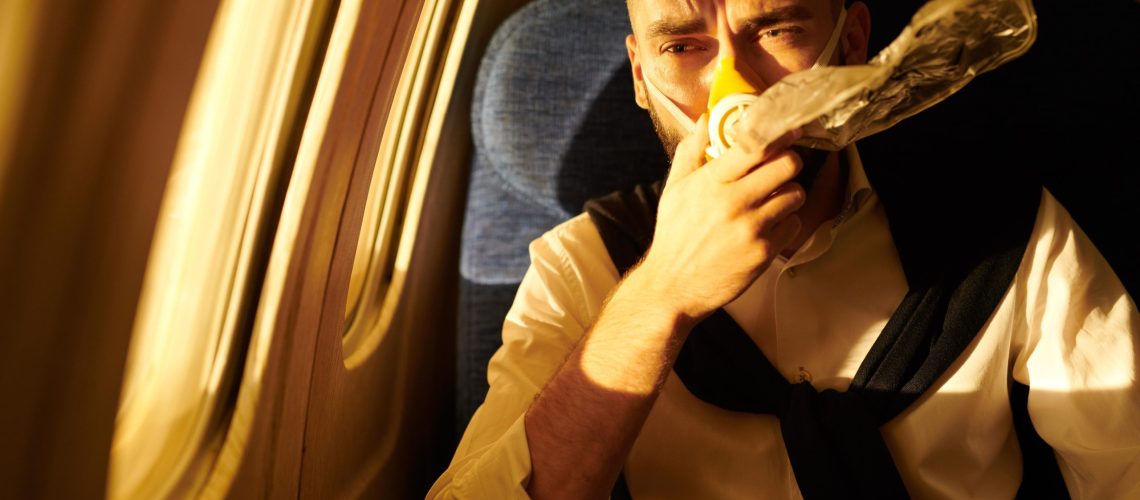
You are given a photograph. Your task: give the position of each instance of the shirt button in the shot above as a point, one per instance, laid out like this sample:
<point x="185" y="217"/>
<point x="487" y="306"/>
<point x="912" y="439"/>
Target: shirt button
<point x="791" y="272"/>
<point x="804" y="375"/>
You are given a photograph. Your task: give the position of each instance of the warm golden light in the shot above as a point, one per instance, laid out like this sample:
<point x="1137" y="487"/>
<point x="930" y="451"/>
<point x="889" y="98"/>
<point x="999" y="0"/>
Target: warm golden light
<point x="410" y="145"/>
<point x="197" y="293"/>
<point x="17" y="18"/>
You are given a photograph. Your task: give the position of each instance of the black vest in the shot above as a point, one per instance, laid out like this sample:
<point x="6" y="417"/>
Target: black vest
<point x="832" y="437"/>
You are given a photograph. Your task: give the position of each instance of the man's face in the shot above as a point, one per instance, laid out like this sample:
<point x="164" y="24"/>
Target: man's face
<point x="676" y="43"/>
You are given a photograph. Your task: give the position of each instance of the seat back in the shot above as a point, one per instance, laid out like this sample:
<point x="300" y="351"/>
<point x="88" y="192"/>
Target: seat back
<point x="554" y="124"/>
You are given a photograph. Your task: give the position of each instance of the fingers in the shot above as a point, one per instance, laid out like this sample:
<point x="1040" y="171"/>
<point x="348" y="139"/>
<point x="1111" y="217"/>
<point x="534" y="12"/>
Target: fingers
<point x="784" y="232"/>
<point x="738" y="161"/>
<point x="690" y="153"/>
<point x="776" y="208"/>
<point x="762" y="182"/>
<point x="776" y="224"/>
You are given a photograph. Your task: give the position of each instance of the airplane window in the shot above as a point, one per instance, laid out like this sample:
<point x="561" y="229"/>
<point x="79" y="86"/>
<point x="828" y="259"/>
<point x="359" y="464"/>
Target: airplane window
<point x="211" y="243"/>
<point x="395" y="197"/>
<point x="16" y="20"/>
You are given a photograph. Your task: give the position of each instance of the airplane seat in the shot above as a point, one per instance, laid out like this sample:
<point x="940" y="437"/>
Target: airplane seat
<point x="554" y="124"/>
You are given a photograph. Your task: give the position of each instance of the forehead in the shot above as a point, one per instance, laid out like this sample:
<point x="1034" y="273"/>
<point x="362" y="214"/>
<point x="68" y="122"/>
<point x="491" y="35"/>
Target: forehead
<point x="645" y="12"/>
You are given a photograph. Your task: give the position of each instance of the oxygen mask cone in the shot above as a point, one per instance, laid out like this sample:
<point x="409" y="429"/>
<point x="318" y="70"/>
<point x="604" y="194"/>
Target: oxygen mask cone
<point x="729" y="97"/>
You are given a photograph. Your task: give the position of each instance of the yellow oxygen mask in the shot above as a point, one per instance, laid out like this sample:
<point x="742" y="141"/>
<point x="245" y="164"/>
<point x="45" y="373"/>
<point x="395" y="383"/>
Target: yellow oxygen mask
<point x="729" y="97"/>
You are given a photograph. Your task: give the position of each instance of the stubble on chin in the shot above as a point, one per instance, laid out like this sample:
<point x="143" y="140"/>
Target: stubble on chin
<point x="812" y="159"/>
<point x="669" y="138"/>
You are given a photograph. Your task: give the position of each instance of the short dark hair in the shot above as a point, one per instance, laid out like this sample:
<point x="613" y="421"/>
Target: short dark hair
<point x="835" y="6"/>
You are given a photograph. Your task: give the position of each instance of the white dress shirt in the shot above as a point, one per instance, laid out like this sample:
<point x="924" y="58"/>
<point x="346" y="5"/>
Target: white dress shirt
<point x="1066" y="328"/>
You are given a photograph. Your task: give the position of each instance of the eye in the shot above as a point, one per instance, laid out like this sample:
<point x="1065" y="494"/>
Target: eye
<point x="783" y="33"/>
<point x="776" y="33"/>
<point x="679" y="48"/>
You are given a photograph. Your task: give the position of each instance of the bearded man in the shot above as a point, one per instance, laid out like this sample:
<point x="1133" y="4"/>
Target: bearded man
<point x="762" y="325"/>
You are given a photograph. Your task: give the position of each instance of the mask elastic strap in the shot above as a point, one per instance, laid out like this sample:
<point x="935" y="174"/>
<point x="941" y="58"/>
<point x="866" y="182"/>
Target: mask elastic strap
<point x="689" y="125"/>
<point x="669" y="105"/>
<point x="829" y="49"/>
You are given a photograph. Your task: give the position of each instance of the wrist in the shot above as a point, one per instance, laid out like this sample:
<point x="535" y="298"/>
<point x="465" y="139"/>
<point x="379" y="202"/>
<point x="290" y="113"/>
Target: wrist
<point x="635" y="340"/>
<point x="656" y="297"/>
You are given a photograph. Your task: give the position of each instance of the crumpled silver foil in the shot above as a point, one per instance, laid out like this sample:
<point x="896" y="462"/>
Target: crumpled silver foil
<point x="946" y="44"/>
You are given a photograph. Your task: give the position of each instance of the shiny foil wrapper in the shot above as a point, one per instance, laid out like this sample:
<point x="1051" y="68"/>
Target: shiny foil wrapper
<point x="946" y="44"/>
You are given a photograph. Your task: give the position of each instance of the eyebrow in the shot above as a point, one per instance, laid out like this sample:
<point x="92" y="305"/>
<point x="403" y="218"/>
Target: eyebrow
<point x="774" y="17"/>
<point x="674" y="27"/>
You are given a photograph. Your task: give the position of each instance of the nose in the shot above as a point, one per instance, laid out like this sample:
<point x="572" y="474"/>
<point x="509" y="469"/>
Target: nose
<point x="725" y="36"/>
<point x="728" y="58"/>
<point x="734" y="86"/>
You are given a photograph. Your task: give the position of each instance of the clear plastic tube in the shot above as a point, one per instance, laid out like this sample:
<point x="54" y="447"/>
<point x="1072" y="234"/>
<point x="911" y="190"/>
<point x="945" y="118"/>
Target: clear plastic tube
<point x="946" y="45"/>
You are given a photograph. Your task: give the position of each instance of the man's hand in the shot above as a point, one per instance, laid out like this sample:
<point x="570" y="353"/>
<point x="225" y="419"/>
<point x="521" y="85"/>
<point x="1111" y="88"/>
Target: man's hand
<point x="718" y="227"/>
<point x="720" y="224"/>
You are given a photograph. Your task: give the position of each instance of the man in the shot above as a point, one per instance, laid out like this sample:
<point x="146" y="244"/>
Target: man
<point x="584" y="393"/>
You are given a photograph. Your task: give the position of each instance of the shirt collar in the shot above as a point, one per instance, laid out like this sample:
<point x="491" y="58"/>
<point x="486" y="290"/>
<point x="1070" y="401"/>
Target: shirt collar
<point x="858" y="187"/>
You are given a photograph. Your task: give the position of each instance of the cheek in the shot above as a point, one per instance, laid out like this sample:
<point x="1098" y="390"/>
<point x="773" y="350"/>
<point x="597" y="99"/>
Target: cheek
<point x="773" y="67"/>
<point x="687" y="82"/>
<point x="691" y="69"/>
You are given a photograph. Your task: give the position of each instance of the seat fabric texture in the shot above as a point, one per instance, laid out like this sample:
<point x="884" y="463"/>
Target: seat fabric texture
<point x="554" y="123"/>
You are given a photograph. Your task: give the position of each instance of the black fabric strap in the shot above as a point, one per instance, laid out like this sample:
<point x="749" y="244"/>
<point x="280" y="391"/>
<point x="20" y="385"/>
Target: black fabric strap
<point x="832" y="437"/>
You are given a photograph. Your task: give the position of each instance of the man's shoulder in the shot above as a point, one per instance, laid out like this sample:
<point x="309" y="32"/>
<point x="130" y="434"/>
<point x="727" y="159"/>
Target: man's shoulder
<point x="1056" y="230"/>
<point x="575" y="245"/>
<point x="1060" y="251"/>
<point x="575" y="228"/>
<point x="573" y="235"/>
<point x="1051" y="209"/>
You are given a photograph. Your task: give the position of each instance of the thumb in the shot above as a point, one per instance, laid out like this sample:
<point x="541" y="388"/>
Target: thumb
<point x="690" y="153"/>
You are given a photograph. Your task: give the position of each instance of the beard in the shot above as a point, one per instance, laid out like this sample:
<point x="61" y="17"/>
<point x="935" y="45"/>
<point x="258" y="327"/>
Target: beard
<point x="812" y="159"/>
<point x="669" y="138"/>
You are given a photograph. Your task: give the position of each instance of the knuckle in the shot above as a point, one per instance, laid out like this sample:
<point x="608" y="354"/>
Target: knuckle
<point x="775" y="145"/>
<point x="796" y="194"/>
<point x="791" y="162"/>
<point x="724" y="212"/>
<point x="689" y="142"/>
<point x="798" y="190"/>
<point x="682" y="151"/>
<point x="752" y="154"/>
<point x="748" y="147"/>
<point x="763" y="224"/>
<point x="748" y="234"/>
<point x="737" y="235"/>
<point x="764" y="250"/>
<point x="717" y="169"/>
<point x="796" y="160"/>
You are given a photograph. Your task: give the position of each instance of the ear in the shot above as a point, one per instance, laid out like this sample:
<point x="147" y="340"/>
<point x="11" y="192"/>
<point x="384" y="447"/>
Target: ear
<point x="856" y="34"/>
<point x="639" y="93"/>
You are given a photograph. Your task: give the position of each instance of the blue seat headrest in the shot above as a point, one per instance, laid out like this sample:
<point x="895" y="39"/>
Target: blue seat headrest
<point x="553" y="112"/>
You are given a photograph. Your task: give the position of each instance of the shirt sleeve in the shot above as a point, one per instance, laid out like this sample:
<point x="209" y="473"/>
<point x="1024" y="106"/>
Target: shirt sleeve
<point x="544" y="322"/>
<point x="1080" y="358"/>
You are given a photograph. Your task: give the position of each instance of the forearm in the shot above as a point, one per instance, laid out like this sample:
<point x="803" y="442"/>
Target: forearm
<point x="719" y="225"/>
<point x="584" y="422"/>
